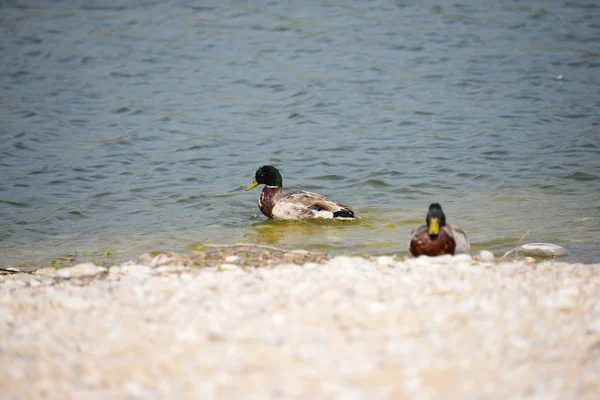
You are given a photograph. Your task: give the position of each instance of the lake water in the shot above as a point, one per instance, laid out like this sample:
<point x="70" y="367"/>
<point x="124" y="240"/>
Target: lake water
<point x="135" y="126"/>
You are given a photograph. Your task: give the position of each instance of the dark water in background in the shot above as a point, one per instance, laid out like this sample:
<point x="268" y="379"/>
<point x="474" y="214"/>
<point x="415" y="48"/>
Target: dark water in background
<point x="136" y="125"/>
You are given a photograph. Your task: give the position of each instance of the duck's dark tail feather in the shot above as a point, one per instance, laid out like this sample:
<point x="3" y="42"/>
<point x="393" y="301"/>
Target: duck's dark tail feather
<point x="344" y="214"/>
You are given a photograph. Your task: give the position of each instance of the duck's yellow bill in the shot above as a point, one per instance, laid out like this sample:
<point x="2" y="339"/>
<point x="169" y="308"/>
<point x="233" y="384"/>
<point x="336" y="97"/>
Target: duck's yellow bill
<point x="252" y="185"/>
<point x="434" y="226"/>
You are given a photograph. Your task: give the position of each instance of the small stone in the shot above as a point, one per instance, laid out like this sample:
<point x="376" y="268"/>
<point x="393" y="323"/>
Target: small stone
<point x="46" y="271"/>
<point x="232" y="259"/>
<point x="311" y="265"/>
<point x="73" y="303"/>
<point x="135" y="270"/>
<point x="463" y="257"/>
<point x="426" y="261"/>
<point x="43" y="279"/>
<point x="401" y="265"/>
<point x="376" y="307"/>
<point x="64" y="272"/>
<point x="27" y="278"/>
<point x="411" y="263"/>
<point x="565" y="303"/>
<point x="278" y="320"/>
<point x="112" y="277"/>
<point x="34" y="283"/>
<point x="144" y="259"/>
<point x="519" y="342"/>
<point x="593" y="327"/>
<point x="300" y="252"/>
<point x="79" y="270"/>
<point x="462" y="266"/>
<point x="228" y="267"/>
<point x="167" y="269"/>
<point x="134" y="390"/>
<point x="166" y="259"/>
<point x="339" y="262"/>
<point x="186" y="277"/>
<point x="270" y="338"/>
<point x="386" y="261"/>
<point x="215" y="332"/>
<point x="186" y="335"/>
<point x="443" y="259"/>
<point x="569" y="291"/>
<point x="486" y="255"/>
<point x="13" y="284"/>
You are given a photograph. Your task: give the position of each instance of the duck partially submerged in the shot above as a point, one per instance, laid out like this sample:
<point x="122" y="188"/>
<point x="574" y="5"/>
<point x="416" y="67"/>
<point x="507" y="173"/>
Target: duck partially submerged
<point x="436" y="237"/>
<point x="297" y="204"/>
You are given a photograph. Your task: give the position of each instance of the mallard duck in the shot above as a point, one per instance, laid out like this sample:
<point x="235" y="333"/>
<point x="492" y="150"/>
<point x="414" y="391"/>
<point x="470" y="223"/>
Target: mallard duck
<point x="437" y="237"/>
<point x="297" y="204"/>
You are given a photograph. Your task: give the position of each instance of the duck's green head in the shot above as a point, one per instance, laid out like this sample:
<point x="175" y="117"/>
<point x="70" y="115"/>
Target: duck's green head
<point x="435" y="219"/>
<point x="266" y="175"/>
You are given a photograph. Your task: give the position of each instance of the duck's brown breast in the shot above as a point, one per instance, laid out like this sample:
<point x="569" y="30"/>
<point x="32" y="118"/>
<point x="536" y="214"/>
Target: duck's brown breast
<point x="267" y="200"/>
<point x="423" y="244"/>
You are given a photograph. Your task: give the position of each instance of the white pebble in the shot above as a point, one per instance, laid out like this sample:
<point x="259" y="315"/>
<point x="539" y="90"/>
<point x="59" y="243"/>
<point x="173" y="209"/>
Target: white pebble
<point x="79" y="270"/>
<point x="13" y="284"/>
<point x="311" y="265"/>
<point x="386" y="261"/>
<point x="134" y="390"/>
<point x="186" y="335"/>
<point x="232" y="259"/>
<point x="270" y="338"/>
<point x="34" y="283"/>
<point x="278" y="320"/>
<point x="135" y="270"/>
<point x="339" y="262"/>
<point x="486" y="255"/>
<point x="64" y="272"/>
<point x="565" y="303"/>
<point x="46" y="271"/>
<point x="73" y="303"/>
<point x="215" y="332"/>
<point x="461" y="266"/>
<point x="463" y="257"/>
<point x="594" y="327"/>
<point x="423" y="261"/>
<point x="443" y="259"/>
<point x="569" y="291"/>
<point x="377" y="307"/>
<point x="519" y="342"/>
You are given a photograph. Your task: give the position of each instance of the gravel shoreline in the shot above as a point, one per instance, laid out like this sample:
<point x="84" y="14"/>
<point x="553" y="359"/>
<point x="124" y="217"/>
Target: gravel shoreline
<point x="352" y="328"/>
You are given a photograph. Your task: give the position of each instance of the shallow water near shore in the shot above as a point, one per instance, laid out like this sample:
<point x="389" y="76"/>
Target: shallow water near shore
<point x="136" y="127"/>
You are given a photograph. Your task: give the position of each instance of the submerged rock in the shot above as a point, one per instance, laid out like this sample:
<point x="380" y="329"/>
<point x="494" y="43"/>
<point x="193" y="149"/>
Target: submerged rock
<point x="538" y="250"/>
<point x="543" y="249"/>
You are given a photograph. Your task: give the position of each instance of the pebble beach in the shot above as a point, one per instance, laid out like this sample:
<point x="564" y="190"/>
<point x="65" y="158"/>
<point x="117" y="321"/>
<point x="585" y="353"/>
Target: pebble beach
<point x="343" y="327"/>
